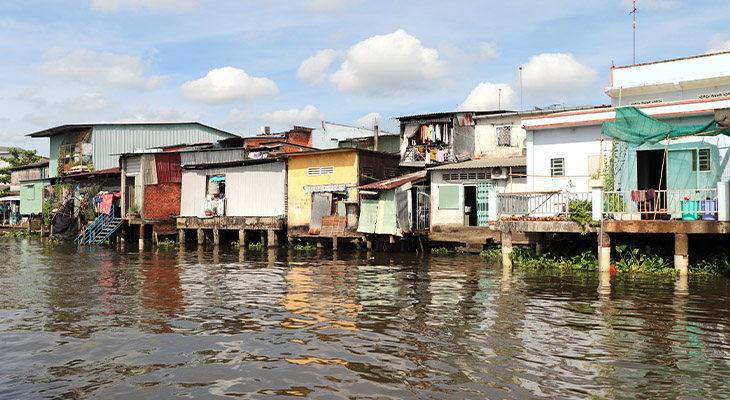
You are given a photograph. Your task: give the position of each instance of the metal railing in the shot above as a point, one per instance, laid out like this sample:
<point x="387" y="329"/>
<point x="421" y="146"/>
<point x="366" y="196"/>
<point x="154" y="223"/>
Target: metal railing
<point x="216" y="205"/>
<point x="538" y="204"/>
<point x="687" y="204"/>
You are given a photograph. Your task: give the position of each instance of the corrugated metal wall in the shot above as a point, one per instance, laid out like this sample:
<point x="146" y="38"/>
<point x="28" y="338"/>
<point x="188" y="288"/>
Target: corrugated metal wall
<point x="251" y="191"/>
<point x="117" y="139"/>
<point x="193" y="192"/>
<point x="257" y="190"/>
<point x="210" y="156"/>
<point x="134" y="165"/>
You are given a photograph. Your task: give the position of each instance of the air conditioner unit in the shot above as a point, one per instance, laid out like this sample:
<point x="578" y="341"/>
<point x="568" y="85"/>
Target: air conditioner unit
<point x="499" y="173"/>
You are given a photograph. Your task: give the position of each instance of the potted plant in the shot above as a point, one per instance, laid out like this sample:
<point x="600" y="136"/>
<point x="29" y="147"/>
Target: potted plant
<point x="209" y="213"/>
<point x="134" y="210"/>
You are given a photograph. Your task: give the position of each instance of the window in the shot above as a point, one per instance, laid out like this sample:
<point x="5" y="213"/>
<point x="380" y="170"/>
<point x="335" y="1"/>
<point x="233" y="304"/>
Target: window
<point x="317" y="171"/>
<point x="557" y="166"/>
<point x="701" y="160"/>
<point x="448" y="197"/>
<point x="368" y="170"/>
<point x="216" y="186"/>
<point x="391" y="172"/>
<point x="504" y="136"/>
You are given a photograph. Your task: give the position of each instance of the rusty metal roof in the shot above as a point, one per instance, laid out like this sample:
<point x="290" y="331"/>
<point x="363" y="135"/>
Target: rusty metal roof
<point x="393" y="183"/>
<point x="485" y="163"/>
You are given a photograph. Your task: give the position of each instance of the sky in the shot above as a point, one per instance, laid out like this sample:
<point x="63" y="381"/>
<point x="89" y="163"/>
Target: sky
<point x="239" y="65"/>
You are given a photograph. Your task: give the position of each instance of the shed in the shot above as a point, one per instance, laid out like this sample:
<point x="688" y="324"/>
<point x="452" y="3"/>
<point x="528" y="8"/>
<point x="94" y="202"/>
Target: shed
<point x="394" y="206"/>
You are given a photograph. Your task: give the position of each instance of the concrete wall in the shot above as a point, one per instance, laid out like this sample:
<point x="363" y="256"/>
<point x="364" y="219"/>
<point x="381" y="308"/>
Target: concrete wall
<point x="574" y="144"/>
<point x="330" y="134"/>
<point x="485" y="140"/>
<point x="702" y="67"/>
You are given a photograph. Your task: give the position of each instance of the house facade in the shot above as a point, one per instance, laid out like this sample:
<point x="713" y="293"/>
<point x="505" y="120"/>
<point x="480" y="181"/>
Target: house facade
<point x="29" y="181"/>
<point x="322" y="183"/>
<point x="565" y="150"/>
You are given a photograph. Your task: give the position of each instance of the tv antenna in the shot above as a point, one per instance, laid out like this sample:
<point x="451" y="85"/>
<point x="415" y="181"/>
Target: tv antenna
<point x="633" y="11"/>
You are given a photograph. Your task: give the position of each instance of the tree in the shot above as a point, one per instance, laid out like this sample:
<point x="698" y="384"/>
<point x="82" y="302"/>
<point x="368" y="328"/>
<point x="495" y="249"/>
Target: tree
<point x="18" y="157"/>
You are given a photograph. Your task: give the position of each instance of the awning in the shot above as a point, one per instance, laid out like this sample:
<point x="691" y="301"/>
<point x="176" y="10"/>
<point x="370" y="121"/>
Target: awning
<point x="10" y="198"/>
<point x="217" y="178"/>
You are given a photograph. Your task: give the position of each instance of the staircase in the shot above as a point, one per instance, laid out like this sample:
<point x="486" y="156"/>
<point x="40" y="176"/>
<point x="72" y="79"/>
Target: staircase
<point x="99" y="230"/>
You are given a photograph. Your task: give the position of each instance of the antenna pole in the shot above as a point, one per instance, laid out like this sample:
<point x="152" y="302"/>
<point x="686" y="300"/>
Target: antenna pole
<point x="499" y="99"/>
<point x="522" y="108"/>
<point x="633" y="11"/>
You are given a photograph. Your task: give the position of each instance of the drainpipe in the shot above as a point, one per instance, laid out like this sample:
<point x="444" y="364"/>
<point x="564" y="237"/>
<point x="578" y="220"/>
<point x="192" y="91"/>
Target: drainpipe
<point x="375" y="138"/>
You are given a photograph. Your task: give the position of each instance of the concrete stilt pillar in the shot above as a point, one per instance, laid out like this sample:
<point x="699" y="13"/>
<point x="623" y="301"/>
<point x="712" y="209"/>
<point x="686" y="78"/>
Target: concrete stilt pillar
<point x="540" y="245"/>
<point x="181" y="236"/>
<point x="681" y="253"/>
<point x="320" y="245"/>
<point x="216" y="236"/>
<point x="201" y="236"/>
<point x="263" y="239"/>
<point x="141" y="235"/>
<point x="506" y="249"/>
<point x="604" y="283"/>
<point x="604" y="252"/>
<point x="272" y="240"/>
<point x="334" y="243"/>
<point x="368" y="244"/>
<point x="242" y="238"/>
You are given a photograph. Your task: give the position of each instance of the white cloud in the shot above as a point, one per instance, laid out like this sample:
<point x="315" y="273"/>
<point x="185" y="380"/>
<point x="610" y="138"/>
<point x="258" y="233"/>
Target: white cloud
<point x="147" y="114"/>
<point x="649" y="4"/>
<point x="172" y="6"/>
<point x="718" y="44"/>
<point x="388" y="64"/>
<point x="556" y="74"/>
<point x="32" y="96"/>
<point x="490" y="96"/>
<point x="314" y="69"/>
<point x="370" y="120"/>
<point x="89" y="102"/>
<point x="89" y="66"/>
<point x="489" y="50"/>
<point x="294" y="116"/>
<point x="331" y="5"/>
<point x="228" y="84"/>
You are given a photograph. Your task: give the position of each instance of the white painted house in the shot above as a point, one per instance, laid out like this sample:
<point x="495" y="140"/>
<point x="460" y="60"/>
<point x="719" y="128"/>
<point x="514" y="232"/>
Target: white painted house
<point x="564" y="150"/>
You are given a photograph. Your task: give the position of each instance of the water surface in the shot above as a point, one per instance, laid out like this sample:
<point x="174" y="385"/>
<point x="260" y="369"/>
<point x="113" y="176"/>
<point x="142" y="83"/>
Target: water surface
<point x="223" y="323"/>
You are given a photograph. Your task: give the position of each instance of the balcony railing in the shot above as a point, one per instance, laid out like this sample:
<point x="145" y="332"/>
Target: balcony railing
<point x="687" y="204"/>
<point x="538" y="204"/>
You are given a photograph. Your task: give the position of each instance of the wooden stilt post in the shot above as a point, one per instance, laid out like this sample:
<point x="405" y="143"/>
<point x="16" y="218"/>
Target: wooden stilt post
<point x="334" y="243"/>
<point x="141" y="235"/>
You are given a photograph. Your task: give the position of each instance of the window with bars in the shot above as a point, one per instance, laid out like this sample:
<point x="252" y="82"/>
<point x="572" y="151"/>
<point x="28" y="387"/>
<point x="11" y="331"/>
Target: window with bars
<point x="701" y="160"/>
<point x="557" y="166"/>
<point x="391" y="172"/>
<point x="466" y="176"/>
<point x="368" y="170"/>
<point x="504" y="136"/>
<point x="317" y="171"/>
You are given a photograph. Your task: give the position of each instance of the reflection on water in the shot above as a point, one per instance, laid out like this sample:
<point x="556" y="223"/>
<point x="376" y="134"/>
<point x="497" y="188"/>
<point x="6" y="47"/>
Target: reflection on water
<point x="209" y="323"/>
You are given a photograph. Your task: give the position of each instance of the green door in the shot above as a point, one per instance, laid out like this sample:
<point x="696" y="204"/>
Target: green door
<point x="680" y="176"/>
<point x="483" y="189"/>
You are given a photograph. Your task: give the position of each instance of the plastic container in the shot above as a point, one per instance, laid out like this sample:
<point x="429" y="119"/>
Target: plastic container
<point x="689" y="210"/>
<point x="709" y="205"/>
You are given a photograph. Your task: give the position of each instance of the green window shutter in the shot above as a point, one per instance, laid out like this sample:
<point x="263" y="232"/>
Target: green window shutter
<point x="448" y="197"/>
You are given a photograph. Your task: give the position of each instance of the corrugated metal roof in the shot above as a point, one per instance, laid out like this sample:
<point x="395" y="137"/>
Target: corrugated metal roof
<point x="72" y="127"/>
<point x="395" y="182"/>
<point x="484" y="163"/>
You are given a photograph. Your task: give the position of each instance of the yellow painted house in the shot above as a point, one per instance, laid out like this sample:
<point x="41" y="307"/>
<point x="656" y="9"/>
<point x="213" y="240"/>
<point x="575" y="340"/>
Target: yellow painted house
<point x="321" y="182"/>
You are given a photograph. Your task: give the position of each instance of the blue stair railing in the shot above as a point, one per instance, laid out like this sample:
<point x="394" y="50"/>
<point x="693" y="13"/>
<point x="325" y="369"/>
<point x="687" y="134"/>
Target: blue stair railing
<point x="102" y="227"/>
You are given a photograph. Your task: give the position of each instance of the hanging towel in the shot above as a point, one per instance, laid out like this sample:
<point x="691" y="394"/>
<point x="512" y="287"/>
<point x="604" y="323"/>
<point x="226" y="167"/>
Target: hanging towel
<point x="438" y="133"/>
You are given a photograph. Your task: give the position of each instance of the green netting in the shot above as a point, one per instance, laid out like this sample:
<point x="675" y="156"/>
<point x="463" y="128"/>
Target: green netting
<point x="636" y="128"/>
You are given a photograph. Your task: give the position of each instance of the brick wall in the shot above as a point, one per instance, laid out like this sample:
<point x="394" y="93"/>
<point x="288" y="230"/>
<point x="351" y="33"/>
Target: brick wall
<point x="161" y="201"/>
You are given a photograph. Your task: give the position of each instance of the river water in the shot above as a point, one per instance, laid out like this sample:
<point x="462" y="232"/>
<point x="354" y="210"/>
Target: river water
<point x="223" y="323"/>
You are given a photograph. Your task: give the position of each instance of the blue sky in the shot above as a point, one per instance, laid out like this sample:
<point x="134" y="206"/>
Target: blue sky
<point x="240" y="65"/>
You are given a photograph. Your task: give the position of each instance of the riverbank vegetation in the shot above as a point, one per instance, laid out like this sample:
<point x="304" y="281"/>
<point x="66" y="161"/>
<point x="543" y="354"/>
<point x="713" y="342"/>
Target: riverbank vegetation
<point x="21" y="234"/>
<point x="625" y="258"/>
